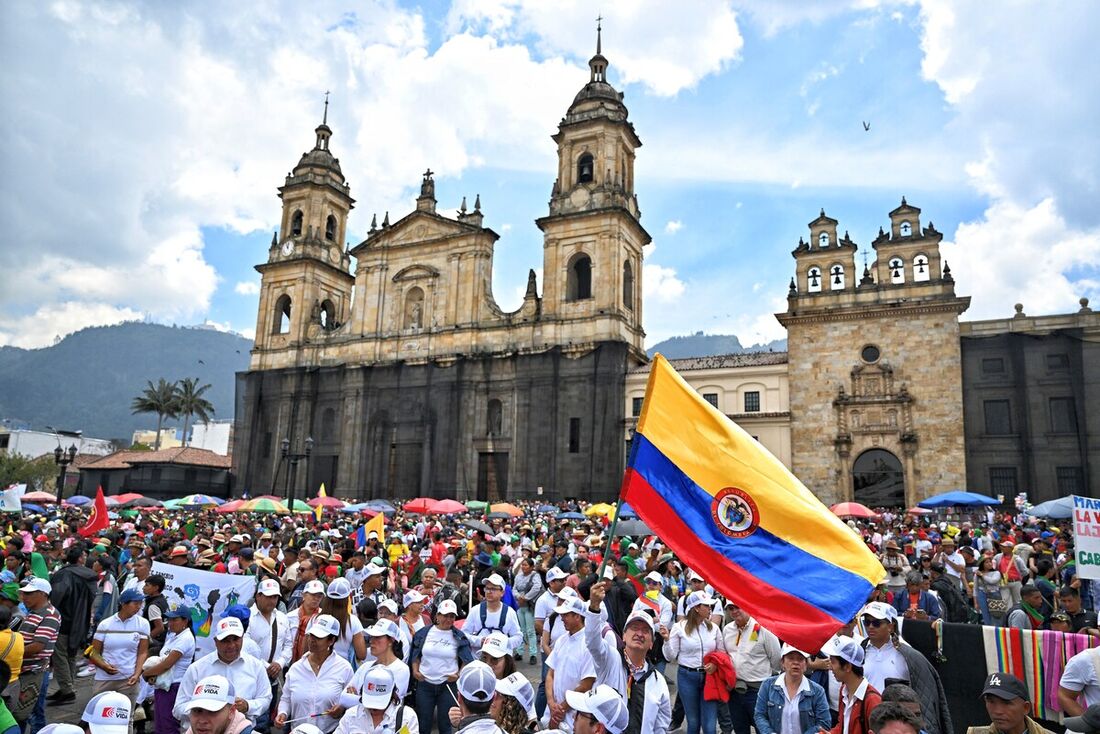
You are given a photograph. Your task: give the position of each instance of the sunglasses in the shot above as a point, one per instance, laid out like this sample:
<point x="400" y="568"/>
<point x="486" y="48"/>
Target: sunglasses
<point x="873" y="622"/>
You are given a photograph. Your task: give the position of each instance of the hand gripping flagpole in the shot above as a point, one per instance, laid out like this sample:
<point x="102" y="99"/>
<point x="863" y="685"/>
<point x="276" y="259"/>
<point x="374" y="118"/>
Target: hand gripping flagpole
<point x="618" y="507"/>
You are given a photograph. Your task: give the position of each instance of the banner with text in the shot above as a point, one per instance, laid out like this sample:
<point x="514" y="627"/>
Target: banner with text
<point x="1086" y="536"/>
<point x="207" y="594"/>
<point x="11" y="499"/>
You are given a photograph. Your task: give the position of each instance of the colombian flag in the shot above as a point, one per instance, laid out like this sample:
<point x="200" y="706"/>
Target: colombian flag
<point x="735" y="514"/>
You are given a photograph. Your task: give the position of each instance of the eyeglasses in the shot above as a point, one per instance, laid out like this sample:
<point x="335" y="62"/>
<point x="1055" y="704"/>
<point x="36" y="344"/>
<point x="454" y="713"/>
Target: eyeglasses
<point x="873" y="622"/>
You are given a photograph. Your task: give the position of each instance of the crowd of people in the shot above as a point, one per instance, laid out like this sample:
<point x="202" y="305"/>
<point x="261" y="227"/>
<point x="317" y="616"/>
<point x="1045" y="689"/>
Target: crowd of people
<point x="421" y="628"/>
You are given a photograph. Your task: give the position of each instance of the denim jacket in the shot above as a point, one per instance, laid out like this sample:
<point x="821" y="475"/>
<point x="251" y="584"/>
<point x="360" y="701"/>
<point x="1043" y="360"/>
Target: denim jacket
<point x="813" y="708"/>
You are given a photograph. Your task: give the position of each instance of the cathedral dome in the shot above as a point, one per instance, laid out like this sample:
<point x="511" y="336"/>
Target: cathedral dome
<point x="320" y="156"/>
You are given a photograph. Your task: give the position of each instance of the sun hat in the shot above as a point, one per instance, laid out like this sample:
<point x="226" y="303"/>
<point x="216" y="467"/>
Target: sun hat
<point x="181" y="612"/>
<point x="314" y="587"/>
<point x="391" y="606"/>
<point x="269" y="587"/>
<point x="555" y="574"/>
<point x="383" y="628"/>
<point x="36" y="584"/>
<point x="412" y="596"/>
<point x="696" y="598"/>
<point x="568" y="604"/>
<point x="131" y="595"/>
<point x="845" y="648"/>
<point x="654" y="577"/>
<point x="339" y="588"/>
<point x="447" y="606"/>
<point x="640" y="616"/>
<point x="787" y="649"/>
<point x="495" y="579"/>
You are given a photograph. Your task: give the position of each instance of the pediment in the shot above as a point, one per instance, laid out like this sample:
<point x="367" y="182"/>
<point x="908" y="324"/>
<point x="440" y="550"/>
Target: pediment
<point x="419" y="227"/>
<point x="415" y="272"/>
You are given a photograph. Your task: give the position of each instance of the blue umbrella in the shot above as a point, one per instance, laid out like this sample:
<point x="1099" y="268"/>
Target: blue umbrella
<point x="381" y="506"/>
<point x="79" y="500"/>
<point x="30" y="507"/>
<point x="354" y="508"/>
<point x="194" y="500"/>
<point x="958" y="498"/>
<point x="1059" y="509"/>
<point x="570" y="516"/>
<point x="627" y="511"/>
<point x="546" y="508"/>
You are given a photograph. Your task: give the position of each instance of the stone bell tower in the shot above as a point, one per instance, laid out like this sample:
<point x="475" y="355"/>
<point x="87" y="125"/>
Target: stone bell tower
<point x="593" y="237"/>
<point x="875" y="365"/>
<point x="305" y="285"/>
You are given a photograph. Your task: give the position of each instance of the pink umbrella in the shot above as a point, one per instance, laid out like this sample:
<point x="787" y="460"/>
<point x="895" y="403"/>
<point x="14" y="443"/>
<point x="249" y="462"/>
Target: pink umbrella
<point x="231" y="506"/>
<point x="39" y="497"/>
<point x="326" y="502"/>
<point x="852" y="509"/>
<point x="422" y="505"/>
<point x="919" y="511"/>
<point x="124" y="498"/>
<point x="448" y="507"/>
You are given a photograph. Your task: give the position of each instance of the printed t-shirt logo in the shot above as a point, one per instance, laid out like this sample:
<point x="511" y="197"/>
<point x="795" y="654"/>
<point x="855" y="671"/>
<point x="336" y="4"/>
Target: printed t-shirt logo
<point x="735" y="512"/>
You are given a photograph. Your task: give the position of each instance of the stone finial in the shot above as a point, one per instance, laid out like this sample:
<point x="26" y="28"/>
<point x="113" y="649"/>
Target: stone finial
<point x="373" y="222"/>
<point x="792" y="289"/>
<point x="386" y="221"/>
<point x="947" y="271"/>
<point x="903" y="202"/>
<point x="822" y="211"/>
<point x="1019" y="311"/>
<point x="477" y="203"/>
<point x="532" y="287"/>
<point x="275" y="238"/>
<point x="1084" y="306"/>
<point x="462" y="209"/>
<point x="426" y="201"/>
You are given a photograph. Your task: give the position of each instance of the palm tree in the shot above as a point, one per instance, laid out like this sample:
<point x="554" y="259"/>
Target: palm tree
<point x="190" y="402"/>
<point x="159" y="399"/>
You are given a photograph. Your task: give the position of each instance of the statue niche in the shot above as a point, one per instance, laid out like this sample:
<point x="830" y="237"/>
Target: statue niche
<point x="414" y="309"/>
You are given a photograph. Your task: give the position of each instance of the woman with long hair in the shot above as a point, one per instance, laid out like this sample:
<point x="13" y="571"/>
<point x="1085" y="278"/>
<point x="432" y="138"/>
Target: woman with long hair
<point x="438" y="652"/>
<point x="351" y="639"/>
<point x="176" y="654"/>
<point x="412" y="616"/>
<point x="298" y="620"/>
<point x="686" y="644"/>
<point x="314" y="683"/>
<point x="386" y="648"/>
<point x="514" y="706"/>
<point x="987" y="586"/>
<point x="527" y="587"/>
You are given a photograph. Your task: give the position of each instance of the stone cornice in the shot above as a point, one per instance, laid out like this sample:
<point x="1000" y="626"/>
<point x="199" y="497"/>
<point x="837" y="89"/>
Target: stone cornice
<point x="858" y="312"/>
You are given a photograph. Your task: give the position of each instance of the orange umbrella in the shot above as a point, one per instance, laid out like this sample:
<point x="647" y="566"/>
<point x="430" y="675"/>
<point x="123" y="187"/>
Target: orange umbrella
<point x="506" y="507"/>
<point x="852" y="509"/>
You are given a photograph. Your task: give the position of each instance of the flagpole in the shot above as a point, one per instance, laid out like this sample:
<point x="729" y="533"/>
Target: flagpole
<point x="610" y="536"/>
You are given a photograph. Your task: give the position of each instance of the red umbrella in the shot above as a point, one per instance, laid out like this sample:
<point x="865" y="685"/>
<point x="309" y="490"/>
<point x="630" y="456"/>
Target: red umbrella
<point x="123" y="498"/>
<point x="919" y="511"/>
<point x="231" y="506"/>
<point x="326" y="502"/>
<point x="449" y="507"/>
<point x="852" y="509"/>
<point x="422" y="505"/>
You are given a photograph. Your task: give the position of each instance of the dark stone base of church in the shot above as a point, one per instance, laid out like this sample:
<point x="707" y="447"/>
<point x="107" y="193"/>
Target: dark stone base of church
<point x="490" y="428"/>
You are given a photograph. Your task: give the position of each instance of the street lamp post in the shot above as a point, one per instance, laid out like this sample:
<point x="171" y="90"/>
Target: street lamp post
<point x="292" y="471"/>
<point x="63" y="459"/>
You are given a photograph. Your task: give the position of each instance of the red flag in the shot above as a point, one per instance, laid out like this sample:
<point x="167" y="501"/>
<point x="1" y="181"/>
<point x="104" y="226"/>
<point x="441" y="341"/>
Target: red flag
<point x="98" y="519"/>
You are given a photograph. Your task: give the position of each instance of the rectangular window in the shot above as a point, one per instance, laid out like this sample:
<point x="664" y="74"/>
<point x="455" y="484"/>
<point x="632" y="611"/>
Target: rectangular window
<point x="993" y="366"/>
<point x="998" y="418"/>
<point x="712" y="398"/>
<point x="636" y="406"/>
<point x="752" y="401"/>
<point x="1056" y="362"/>
<point x="1002" y="480"/>
<point x="1063" y="415"/>
<point x="1071" y="480"/>
<point x="574" y="435"/>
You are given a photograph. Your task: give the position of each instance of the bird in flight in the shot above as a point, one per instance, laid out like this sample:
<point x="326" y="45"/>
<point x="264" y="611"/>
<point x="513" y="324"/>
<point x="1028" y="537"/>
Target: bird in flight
<point x="201" y="362"/>
<point x="866" y="126"/>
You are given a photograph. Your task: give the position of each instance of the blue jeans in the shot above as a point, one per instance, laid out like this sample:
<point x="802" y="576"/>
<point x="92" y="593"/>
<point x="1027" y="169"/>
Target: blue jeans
<point x="37" y="719"/>
<point x="433" y="701"/>
<point x="540" y="694"/>
<point x="742" y="707"/>
<point x="700" y="714"/>
<point x="527" y="625"/>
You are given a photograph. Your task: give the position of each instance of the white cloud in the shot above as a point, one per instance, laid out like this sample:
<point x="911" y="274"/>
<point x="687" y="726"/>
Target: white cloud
<point x="247" y="288"/>
<point x="665" y="47"/>
<point x="660" y="284"/>
<point x="54" y="320"/>
<point x="673" y="226"/>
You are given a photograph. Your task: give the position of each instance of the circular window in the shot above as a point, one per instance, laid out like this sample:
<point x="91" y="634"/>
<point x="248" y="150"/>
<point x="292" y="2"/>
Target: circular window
<point x="870" y="354"/>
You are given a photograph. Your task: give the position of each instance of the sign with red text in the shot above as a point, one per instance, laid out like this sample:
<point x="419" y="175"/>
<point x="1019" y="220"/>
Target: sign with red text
<point x="1086" y="536"/>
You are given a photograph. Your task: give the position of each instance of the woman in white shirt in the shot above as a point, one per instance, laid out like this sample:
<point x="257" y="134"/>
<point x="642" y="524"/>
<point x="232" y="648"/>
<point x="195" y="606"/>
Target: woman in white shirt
<point x="351" y="639"/>
<point x="686" y="644"/>
<point x="385" y="648"/>
<point x="314" y="683"/>
<point x="177" y="653"/>
<point x="121" y="644"/>
<point x="412" y="618"/>
<point x="438" y="652"/>
<point x="380" y="710"/>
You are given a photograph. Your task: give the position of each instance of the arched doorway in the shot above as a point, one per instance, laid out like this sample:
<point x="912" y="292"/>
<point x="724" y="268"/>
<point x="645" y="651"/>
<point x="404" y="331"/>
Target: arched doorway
<point x="878" y="479"/>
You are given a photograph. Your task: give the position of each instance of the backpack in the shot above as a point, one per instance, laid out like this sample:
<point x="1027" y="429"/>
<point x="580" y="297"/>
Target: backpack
<point x="504" y="608"/>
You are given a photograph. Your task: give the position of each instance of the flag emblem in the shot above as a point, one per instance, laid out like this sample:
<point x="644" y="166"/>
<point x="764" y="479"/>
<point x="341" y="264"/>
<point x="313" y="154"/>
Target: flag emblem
<point x="735" y="512"/>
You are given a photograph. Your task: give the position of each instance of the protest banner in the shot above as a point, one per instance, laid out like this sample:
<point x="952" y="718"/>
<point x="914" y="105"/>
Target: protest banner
<point x="11" y="499"/>
<point x="1086" y="536"/>
<point x="207" y="594"/>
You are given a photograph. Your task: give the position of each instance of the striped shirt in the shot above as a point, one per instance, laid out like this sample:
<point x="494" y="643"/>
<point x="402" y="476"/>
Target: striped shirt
<point x="40" y="625"/>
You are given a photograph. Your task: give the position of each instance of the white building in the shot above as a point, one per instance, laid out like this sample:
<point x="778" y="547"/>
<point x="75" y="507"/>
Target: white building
<point x="214" y="436"/>
<point x="33" y="444"/>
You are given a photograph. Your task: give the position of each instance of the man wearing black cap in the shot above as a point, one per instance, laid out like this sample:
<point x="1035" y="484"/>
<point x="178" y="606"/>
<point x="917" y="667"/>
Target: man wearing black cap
<point x="1008" y="704"/>
<point x="1086" y="723"/>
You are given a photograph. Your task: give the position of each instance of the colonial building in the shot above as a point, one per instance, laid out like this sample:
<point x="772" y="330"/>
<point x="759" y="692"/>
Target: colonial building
<point x="421" y="384"/>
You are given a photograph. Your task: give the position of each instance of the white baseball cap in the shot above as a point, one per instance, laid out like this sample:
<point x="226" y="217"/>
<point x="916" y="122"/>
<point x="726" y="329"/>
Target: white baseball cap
<point x="787" y="649"/>
<point x="496" y="644"/>
<point x="640" y="616"/>
<point x="556" y="574"/>
<point x="495" y="580"/>
<point x="237" y="539"/>
<point x="477" y="682"/>
<point x="373" y="569"/>
<point x="324" y="625"/>
<point x="880" y="610"/>
<point x="696" y="598"/>
<point x="339" y="589"/>
<point x="384" y="628"/>
<point x="447" y="606"/>
<point x="412" y="596"/>
<point x="378" y="688"/>
<point x="567" y="604"/>
<point x="304" y="728"/>
<point x="694" y="576"/>
<point x="212" y="693"/>
<point x="314" y="587"/>
<point x="845" y="648"/>
<point x="269" y="587"/>
<point x="518" y="687"/>
<point x="61" y="729"/>
<point x="654" y="577"/>
<point x="605" y="704"/>
<point x="107" y="713"/>
<point x="391" y="605"/>
<point x="228" y="627"/>
<point x="36" y="584"/>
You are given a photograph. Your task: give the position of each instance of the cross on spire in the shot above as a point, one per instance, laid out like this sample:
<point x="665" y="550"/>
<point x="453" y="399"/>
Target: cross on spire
<point x="324" y="120"/>
<point x="599" y="32"/>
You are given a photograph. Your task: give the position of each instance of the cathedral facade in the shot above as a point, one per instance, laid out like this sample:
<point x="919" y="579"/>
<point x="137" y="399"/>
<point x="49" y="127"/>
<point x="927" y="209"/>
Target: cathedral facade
<point x="396" y="363"/>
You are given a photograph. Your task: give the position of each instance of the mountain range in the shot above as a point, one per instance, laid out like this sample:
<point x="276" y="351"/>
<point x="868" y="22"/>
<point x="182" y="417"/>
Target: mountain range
<point x="709" y="345"/>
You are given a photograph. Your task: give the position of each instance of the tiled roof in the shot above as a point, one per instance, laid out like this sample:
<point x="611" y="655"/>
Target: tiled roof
<point x="724" y="361"/>
<point x="178" y="455"/>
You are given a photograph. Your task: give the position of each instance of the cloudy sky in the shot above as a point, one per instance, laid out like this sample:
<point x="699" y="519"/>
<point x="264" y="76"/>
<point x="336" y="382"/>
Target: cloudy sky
<point x="143" y="142"/>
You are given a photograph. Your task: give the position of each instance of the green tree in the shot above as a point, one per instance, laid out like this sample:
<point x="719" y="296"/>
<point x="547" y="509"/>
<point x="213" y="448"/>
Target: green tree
<point x="190" y="402"/>
<point x="159" y="399"/>
<point x="35" y="473"/>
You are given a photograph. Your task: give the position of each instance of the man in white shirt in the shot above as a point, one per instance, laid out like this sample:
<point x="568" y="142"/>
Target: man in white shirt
<point x="570" y="665"/>
<point x="954" y="563"/>
<point x="247" y="674"/>
<point x="270" y="630"/>
<point x="1079" y="687"/>
<point x="755" y="655"/>
<point x="136" y="580"/>
<point x="492" y="615"/>
<point x="846" y="663"/>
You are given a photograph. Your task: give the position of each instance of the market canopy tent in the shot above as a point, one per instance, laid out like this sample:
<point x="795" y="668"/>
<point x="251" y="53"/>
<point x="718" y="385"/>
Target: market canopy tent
<point x="958" y="498"/>
<point x="1059" y="509"/>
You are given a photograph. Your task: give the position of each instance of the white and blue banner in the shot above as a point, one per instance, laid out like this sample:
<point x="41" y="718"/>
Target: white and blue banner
<point x="11" y="499"/>
<point x="207" y="594"/>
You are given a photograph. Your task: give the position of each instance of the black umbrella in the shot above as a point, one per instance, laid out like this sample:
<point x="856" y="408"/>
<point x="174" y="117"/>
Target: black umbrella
<point x="140" y="502"/>
<point x="631" y="528"/>
<point x="499" y="516"/>
<point x="478" y="525"/>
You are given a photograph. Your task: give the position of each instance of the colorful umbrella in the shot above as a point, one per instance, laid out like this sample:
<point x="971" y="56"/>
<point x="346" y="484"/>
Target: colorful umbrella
<point x="265" y="506"/>
<point x="301" y="508"/>
<point x="421" y="505"/>
<point x="231" y="506"/>
<point x="382" y="506"/>
<point x="448" y="507"/>
<point x="958" y="498"/>
<point x="172" y="504"/>
<point x="506" y="507"/>
<point x="601" y="508"/>
<point x="268" y="497"/>
<point x="326" y="502"/>
<point x="197" y="500"/>
<point x="546" y="508"/>
<point x="852" y="509"/>
<point x="111" y="501"/>
<point x="40" y="497"/>
<point x="141" y="502"/>
<point x="570" y="516"/>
